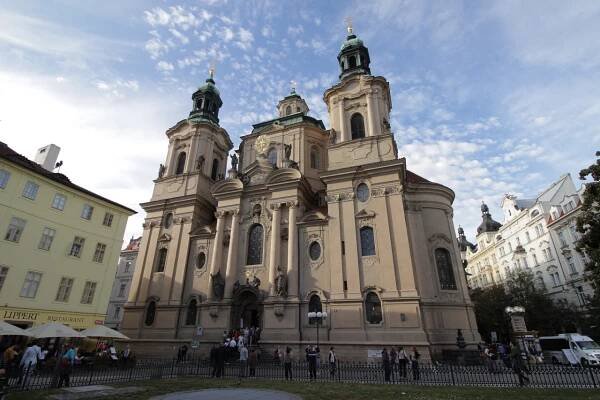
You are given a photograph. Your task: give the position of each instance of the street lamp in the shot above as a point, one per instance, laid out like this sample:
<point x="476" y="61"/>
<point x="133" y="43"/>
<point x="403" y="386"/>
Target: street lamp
<point x="318" y="317"/>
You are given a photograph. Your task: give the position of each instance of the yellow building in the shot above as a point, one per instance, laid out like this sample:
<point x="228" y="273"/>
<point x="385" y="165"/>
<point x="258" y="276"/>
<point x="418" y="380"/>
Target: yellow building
<point x="59" y="244"/>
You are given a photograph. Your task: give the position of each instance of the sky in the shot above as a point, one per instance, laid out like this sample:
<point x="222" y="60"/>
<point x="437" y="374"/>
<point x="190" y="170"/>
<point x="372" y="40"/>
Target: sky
<point x="488" y="97"/>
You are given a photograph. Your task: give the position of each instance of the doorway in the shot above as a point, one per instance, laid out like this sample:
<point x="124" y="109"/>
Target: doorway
<point x="246" y="311"/>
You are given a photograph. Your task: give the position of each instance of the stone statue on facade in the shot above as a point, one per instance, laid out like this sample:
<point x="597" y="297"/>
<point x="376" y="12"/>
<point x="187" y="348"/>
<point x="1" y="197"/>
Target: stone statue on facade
<point x="484" y="209"/>
<point x="236" y="287"/>
<point x="281" y="283"/>
<point x="332" y="136"/>
<point x="234" y="162"/>
<point x="255" y="282"/>
<point x="200" y="163"/>
<point x="287" y="150"/>
<point x="218" y="284"/>
<point x="161" y="171"/>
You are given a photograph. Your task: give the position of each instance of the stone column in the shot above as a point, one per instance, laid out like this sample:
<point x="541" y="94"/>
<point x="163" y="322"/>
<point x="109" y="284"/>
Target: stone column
<point x="292" y="253"/>
<point x="275" y="244"/>
<point x="343" y="130"/>
<point x="232" y="252"/>
<point x="371" y="114"/>
<point x="215" y="260"/>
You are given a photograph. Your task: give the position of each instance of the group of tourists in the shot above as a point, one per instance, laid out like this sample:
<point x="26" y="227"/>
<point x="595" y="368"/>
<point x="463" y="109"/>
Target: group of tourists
<point x="509" y="355"/>
<point x="397" y="361"/>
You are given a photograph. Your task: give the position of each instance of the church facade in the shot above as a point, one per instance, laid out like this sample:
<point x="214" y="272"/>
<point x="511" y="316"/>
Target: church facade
<point x="307" y="219"/>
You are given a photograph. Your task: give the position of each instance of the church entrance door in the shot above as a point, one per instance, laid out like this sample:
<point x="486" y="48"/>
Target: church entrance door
<point x="246" y="311"/>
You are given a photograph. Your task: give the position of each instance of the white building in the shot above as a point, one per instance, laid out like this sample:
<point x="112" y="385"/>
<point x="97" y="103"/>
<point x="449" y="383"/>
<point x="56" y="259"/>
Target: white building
<point x="122" y="283"/>
<point x="538" y="234"/>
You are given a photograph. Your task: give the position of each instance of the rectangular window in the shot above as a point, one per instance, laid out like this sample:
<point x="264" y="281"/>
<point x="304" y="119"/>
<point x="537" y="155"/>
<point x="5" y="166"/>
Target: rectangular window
<point x="15" y="229"/>
<point x="87" y="212"/>
<point x="64" y="289"/>
<point x="535" y="260"/>
<point x="3" y="273"/>
<point x="31" y="284"/>
<point x="31" y="189"/>
<point x="122" y="289"/>
<point x="528" y="237"/>
<point x="127" y="266"/>
<point x="571" y="265"/>
<point x="561" y="236"/>
<point x="77" y="247"/>
<point x="59" y="201"/>
<point x="117" y="312"/>
<point x="4" y="177"/>
<point x="88" y="293"/>
<point x="573" y="230"/>
<point x="108" y="218"/>
<point x="99" y="253"/>
<point x="46" y="239"/>
<point x="525" y="263"/>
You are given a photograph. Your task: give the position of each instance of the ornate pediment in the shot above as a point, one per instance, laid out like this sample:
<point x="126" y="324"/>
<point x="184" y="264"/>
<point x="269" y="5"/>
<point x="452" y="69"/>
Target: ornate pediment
<point x="227" y="186"/>
<point x="315" y="216"/>
<point x="284" y="175"/>
<point x="165" y="237"/>
<point x="365" y="214"/>
<point x="202" y="230"/>
<point x="257" y="172"/>
<point x="439" y="237"/>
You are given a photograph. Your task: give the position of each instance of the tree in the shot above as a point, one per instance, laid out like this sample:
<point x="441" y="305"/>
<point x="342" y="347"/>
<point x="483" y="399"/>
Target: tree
<point x="541" y="313"/>
<point x="588" y="225"/>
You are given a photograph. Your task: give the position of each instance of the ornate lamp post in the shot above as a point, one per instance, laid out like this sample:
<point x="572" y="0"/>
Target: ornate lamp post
<point x="318" y="317"/>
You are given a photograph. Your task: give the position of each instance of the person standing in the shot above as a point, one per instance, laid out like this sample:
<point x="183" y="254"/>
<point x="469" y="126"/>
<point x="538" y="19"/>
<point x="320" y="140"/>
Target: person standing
<point x="287" y="363"/>
<point x="332" y="362"/>
<point x="213" y="360"/>
<point x="66" y="366"/>
<point x="414" y="363"/>
<point x="11" y="356"/>
<point x="252" y="362"/>
<point x="402" y="361"/>
<point x="312" y="363"/>
<point x="29" y="361"/>
<point x="518" y="365"/>
<point x="385" y="359"/>
<point x="243" y="361"/>
<point x="393" y="361"/>
<point x="220" y="361"/>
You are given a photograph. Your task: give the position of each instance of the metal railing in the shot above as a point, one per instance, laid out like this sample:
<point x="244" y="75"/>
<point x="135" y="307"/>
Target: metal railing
<point x="539" y="376"/>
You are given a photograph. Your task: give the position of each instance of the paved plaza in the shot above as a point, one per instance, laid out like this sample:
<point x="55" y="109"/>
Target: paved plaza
<point x="229" y="394"/>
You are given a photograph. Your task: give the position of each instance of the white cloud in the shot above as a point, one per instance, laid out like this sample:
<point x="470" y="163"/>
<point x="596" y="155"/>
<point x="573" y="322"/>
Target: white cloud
<point x="165" y="66"/>
<point x="245" y="39"/>
<point x="228" y="34"/>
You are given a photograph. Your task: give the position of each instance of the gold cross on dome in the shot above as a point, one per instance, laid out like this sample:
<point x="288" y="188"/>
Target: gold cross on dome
<point x="348" y="21"/>
<point x="293" y="85"/>
<point x="211" y="71"/>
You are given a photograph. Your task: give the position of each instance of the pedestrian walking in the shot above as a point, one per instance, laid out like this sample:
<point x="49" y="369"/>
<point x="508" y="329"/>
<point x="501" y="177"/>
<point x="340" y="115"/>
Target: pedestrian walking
<point x="519" y="367"/>
<point x="332" y="362"/>
<point x="220" y="361"/>
<point x="213" y="361"/>
<point x="393" y="361"/>
<point x="252" y="362"/>
<point x="243" y="361"/>
<point x="287" y="363"/>
<point x="414" y="363"/>
<point x="385" y="359"/>
<point x="402" y="361"/>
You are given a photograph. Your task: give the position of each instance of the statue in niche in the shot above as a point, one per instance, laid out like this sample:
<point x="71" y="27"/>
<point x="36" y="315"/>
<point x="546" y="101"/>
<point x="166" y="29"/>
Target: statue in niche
<point x="234" y="161"/>
<point x="332" y="136"/>
<point x="200" y="163"/>
<point x="161" y="171"/>
<point x="218" y="284"/>
<point x="281" y="283"/>
<point x="236" y="287"/>
<point x="386" y="125"/>
<point x="287" y="149"/>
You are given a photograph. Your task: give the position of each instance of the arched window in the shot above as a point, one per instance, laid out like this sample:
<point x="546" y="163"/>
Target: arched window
<point x="272" y="157"/>
<point x="373" y="308"/>
<point x="357" y="126"/>
<point x="215" y="170"/>
<point x="207" y="105"/>
<point x="288" y="110"/>
<point x="314" y="305"/>
<point x="444" y="268"/>
<point x="191" y="313"/>
<point x="168" y="221"/>
<point x="315" y="158"/>
<point x="150" y="313"/>
<point x="352" y="62"/>
<point x="200" y="260"/>
<point x="367" y="241"/>
<point x="255" y="245"/>
<point x="180" y="163"/>
<point x="161" y="260"/>
<point x="199" y="104"/>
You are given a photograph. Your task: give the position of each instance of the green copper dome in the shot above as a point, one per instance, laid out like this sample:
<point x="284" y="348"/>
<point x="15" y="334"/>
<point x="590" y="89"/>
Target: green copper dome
<point x="351" y="41"/>
<point x="209" y="86"/>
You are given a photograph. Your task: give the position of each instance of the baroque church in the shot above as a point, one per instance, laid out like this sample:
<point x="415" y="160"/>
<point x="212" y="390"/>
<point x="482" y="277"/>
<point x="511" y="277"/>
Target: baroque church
<point x="307" y="219"/>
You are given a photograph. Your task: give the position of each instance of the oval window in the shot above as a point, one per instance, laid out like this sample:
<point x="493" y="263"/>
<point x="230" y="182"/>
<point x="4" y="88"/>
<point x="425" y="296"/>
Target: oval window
<point x="200" y="260"/>
<point x="168" y="220"/>
<point x="314" y="251"/>
<point x="362" y="192"/>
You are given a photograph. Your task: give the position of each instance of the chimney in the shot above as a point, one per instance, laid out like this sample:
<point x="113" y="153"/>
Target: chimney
<point x="47" y="156"/>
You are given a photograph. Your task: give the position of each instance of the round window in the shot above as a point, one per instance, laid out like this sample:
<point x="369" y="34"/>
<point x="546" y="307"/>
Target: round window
<point x="362" y="192"/>
<point x="200" y="260"/>
<point x="168" y="220"/>
<point x="314" y="251"/>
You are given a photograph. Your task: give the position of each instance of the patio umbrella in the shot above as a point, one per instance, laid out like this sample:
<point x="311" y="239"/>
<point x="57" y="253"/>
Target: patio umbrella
<point x="53" y="330"/>
<point x="11" y="330"/>
<point x="104" y="332"/>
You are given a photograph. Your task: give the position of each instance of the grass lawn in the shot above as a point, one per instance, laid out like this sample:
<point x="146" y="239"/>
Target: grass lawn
<point x="329" y="391"/>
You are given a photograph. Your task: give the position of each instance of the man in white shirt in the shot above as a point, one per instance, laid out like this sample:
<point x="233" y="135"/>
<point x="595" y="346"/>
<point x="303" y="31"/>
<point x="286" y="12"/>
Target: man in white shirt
<point x="30" y="360"/>
<point x="243" y="361"/>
